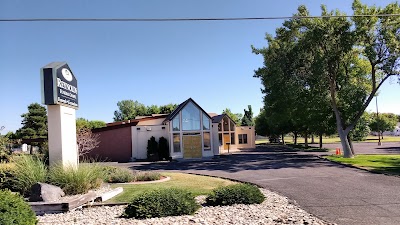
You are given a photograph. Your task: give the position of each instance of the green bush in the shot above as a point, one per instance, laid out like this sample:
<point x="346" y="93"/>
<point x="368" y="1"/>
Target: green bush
<point x="27" y="171"/>
<point x="114" y="174"/>
<point x="77" y="181"/>
<point x="146" y="176"/>
<point x="6" y="176"/>
<point x="162" y="203"/>
<point x="235" y="194"/>
<point x="14" y="210"/>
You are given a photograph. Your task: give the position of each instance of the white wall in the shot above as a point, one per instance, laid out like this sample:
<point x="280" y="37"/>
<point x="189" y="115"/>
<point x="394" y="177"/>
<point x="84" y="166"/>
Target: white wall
<point x="140" y="138"/>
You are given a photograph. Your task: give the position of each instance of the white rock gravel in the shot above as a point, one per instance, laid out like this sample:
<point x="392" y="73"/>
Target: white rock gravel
<point x="276" y="209"/>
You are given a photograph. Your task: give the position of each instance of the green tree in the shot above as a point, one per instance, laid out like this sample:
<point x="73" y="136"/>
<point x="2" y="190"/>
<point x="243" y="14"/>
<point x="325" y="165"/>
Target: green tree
<point x="4" y="147"/>
<point x="361" y="130"/>
<point x="167" y="109"/>
<point x="89" y="124"/>
<point x="247" y="119"/>
<point x="129" y="109"/>
<point x="234" y="116"/>
<point x="153" y="109"/>
<point x="383" y="122"/>
<point x="34" y="122"/>
<point x="347" y="60"/>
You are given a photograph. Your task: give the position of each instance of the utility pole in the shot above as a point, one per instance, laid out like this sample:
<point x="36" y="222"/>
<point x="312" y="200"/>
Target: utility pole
<point x="377" y="120"/>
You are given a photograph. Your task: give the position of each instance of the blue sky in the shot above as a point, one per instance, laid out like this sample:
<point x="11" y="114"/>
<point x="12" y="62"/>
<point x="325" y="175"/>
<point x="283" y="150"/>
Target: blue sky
<point x="151" y="62"/>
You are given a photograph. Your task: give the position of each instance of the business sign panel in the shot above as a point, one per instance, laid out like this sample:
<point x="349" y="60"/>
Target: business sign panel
<point x="59" y="85"/>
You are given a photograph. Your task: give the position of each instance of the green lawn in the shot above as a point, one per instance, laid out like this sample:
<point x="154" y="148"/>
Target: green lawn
<point x="328" y="140"/>
<point x="378" y="163"/>
<point x="198" y="185"/>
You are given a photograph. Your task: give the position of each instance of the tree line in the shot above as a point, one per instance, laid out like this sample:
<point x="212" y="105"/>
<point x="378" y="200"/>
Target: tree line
<point x="320" y="74"/>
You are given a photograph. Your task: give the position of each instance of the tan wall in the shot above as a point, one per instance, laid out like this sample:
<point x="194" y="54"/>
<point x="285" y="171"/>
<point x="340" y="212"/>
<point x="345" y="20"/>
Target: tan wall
<point x="141" y="136"/>
<point x="251" y="137"/>
<point x="151" y="122"/>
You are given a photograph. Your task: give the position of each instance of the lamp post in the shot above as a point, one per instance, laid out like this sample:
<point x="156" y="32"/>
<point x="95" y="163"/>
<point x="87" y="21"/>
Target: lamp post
<point x="377" y="120"/>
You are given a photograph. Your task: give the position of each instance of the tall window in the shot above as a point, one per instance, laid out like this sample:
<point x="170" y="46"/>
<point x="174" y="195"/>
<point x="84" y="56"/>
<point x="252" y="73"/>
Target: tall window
<point x="177" y="142"/>
<point x="225" y="122"/>
<point x="190" y="117"/>
<point x="176" y="123"/>
<point x="206" y="122"/>
<point x="242" y="138"/>
<point x="206" y="141"/>
<point x="232" y="138"/>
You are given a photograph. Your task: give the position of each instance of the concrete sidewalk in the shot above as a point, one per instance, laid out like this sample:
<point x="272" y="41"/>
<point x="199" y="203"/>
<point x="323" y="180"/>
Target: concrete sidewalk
<point x="330" y="191"/>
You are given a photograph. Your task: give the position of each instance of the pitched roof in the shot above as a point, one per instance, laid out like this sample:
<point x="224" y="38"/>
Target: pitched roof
<point x="181" y="106"/>
<point x="217" y="119"/>
<point x="128" y="123"/>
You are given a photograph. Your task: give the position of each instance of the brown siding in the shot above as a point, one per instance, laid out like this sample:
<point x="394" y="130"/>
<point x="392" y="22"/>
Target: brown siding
<point x="115" y="145"/>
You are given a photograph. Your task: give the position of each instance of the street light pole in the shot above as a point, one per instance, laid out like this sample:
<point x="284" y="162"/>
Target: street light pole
<point x="377" y="120"/>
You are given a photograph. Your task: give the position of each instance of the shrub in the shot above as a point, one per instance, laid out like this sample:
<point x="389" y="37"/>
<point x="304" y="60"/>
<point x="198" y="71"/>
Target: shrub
<point x="27" y="171"/>
<point x="162" y="203"/>
<point x="14" y="210"/>
<point x="152" y="147"/>
<point x="6" y="176"/>
<point x="163" y="148"/>
<point x="77" y="181"/>
<point x="235" y="194"/>
<point x="117" y="175"/>
<point x="147" y="176"/>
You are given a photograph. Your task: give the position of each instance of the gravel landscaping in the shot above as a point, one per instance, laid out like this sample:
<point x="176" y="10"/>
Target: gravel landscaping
<point x="276" y="209"/>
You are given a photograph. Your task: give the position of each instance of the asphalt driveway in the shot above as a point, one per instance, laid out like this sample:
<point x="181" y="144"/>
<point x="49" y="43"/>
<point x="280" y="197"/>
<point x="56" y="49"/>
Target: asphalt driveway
<point x="330" y="191"/>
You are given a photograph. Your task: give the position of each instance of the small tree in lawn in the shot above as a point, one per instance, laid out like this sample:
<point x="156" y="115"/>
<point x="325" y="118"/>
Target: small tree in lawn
<point x="152" y="147"/>
<point x="86" y="141"/>
<point x="163" y="148"/>
<point x="383" y="123"/>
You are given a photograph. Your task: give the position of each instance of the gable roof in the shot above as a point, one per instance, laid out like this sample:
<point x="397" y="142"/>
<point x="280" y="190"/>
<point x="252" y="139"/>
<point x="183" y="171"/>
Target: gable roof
<point x="217" y="119"/>
<point x="172" y="115"/>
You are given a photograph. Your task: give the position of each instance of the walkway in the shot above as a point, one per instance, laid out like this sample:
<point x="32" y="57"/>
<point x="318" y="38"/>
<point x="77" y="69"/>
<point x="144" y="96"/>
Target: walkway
<point x="330" y="191"/>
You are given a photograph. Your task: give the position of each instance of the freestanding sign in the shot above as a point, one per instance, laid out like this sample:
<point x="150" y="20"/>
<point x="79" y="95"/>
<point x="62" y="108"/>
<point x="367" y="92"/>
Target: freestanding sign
<point x="60" y="93"/>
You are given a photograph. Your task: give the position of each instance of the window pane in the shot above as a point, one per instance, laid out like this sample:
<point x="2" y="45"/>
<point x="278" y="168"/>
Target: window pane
<point x="177" y="143"/>
<point x="206" y="122"/>
<point x="206" y="141"/>
<point x="240" y="139"/>
<point x="220" y="139"/>
<point x="176" y="123"/>
<point x="244" y="138"/>
<point x="232" y="126"/>
<point x="190" y="117"/>
<point x="219" y="127"/>
<point x="232" y="138"/>
<point x="226" y="124"/>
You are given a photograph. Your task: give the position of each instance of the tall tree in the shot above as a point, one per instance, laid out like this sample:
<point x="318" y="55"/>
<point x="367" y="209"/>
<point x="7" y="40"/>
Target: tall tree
<point x="129" y="109"/>
<point x="383" y="122"/>
<point x="234" y="116"/>
<point x="34" y="122"/>
<point x="247" y="119"/>
<point x="167" y="109"/>
<point x="348" y="59"/>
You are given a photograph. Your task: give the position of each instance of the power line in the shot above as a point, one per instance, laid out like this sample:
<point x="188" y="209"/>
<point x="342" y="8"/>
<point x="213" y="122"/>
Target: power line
<point x="184" y="19"/>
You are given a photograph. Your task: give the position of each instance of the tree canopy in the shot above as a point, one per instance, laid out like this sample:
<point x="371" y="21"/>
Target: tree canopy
<point x="321" y="69"/>
<point x="34" y="123"/>
<point x="89" y="124"/>
<point x="247" y="119"/>
<point x="234" y="116"/>
<point x="129" y="109"/>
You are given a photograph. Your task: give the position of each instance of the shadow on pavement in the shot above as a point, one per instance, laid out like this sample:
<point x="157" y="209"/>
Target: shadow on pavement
<point x="261" y="158"/>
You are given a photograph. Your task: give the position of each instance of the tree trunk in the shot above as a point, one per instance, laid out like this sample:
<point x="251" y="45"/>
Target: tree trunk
<point x="283" y="139"/>
<point x="347" y="152"/>
<point x="320" y="141"/>
<point x="295" y="138"/>
<point x="351" y="144"/>
<point x="312" y="139"/>
<point x="306" y="140"/>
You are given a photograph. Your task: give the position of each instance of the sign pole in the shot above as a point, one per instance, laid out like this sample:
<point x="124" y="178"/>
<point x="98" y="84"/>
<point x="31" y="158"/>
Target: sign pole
<point x="60" y="94"/>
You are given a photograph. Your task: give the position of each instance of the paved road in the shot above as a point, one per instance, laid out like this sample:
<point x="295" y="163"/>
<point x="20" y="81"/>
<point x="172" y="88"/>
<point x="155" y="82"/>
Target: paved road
<point x="369" y="148"/>
<point x="330" y="191"/>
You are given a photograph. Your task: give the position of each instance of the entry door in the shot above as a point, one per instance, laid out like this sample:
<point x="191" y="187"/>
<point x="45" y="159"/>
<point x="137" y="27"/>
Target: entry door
<point x="192" y="146"/>
<point x="227" y="139"/>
